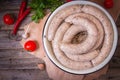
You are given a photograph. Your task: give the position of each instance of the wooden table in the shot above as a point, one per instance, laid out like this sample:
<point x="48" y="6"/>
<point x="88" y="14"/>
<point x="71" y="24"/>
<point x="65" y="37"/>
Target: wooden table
<point x="17" y="64"/>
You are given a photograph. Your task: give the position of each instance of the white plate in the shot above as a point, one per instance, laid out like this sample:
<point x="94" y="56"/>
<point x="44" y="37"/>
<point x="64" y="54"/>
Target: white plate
<point x="50" y="53"/>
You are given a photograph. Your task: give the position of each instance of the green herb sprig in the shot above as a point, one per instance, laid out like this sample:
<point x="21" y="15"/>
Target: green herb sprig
<point x="39" y="7"/>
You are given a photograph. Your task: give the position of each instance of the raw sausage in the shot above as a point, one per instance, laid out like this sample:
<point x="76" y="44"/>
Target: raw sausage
<point x="68" y="37"/>
<point x="84" y="57"/>
<point x="88" y="43"/>
<point x="71" y="32"/>
<point x="95" y="21"/>
<point x="59" y="17"/>
<point x="108" y="40"/>
<point x="61" y="57"/>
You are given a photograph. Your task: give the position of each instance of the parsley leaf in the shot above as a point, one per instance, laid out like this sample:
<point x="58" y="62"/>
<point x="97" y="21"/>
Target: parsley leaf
<point x="40" y="6"/>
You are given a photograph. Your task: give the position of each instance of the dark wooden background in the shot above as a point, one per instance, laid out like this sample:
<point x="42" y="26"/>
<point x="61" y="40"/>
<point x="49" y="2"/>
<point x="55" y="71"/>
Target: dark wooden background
<point x="17" y="64"/>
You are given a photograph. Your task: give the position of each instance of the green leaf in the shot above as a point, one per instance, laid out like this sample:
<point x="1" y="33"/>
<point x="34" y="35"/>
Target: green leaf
<point x="42" y="5"/>
<point x="39" y="7"/>
<point x="33" y="17"/>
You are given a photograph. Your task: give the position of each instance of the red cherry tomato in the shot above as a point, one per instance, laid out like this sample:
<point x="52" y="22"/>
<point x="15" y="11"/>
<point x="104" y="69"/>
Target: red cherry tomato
<point x="8" y="19"/>
<point x="68" y="0"/>
<point x="30" y="45"/>
<point x="108" y="3"/>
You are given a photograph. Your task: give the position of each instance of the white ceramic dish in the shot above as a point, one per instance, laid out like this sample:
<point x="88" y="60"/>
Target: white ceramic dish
<point x="50" y="53"/>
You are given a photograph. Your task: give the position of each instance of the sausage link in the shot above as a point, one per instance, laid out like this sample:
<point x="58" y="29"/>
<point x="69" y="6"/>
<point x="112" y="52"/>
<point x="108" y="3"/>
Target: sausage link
<point x="59" y="18"/>
<point x="71" y="32"/>
<point x="88" y="43"/>
<point x="95" y="21"/>
<point x="61" y="57"/>
<point x="68" y="37"/>
<point x="108" y="39"/>
<point x="84" y="57"/>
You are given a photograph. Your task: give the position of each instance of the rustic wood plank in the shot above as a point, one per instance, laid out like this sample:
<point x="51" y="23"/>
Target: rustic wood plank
<point x="113" y="74"/>
<point x="6" y="36"/>
<point x="20" y="66"/>
<point x="9" y="4"/>
<point x="16" y="61"/>
<point x="17" y="53"/>
<point x="6" y="42"/>
<point x="6" y="33"/>
<point x="23" y="75"/>
<point x="117" y="52"/>
<point x="118" y="21"/>
<point x="10" y="45"/>
<point x="118" y="27"/>
<point x="115" y="62"/>
<point x="20" y="63"/>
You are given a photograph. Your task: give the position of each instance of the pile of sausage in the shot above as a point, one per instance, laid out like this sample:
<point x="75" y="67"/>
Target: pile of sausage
<point x="81" y="36"/>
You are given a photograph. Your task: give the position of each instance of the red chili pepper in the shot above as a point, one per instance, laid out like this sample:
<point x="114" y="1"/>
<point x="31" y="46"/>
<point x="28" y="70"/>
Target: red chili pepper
<point x="22" y="8"/>
<point x="16" y="26"/>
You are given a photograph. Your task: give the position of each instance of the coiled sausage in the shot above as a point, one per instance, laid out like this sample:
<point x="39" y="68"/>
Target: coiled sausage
<point x="59" y="17"/>
<point x="108" y="40"/>
<point x="95" y="21"/>
<point x="88" y="43"/>
<point x="61" y="57"/>
<point x="70" y="33"/>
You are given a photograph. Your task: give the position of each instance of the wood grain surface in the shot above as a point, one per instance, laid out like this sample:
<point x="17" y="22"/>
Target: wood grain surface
<point x="17" y="64"/>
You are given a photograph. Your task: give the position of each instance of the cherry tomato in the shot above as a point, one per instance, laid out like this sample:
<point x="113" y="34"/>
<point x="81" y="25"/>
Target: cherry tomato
<point x="108" y="3"/>
<point x="68" y="0"/>
<point x="30" y="45"/>
<point x="8" y="19"/>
